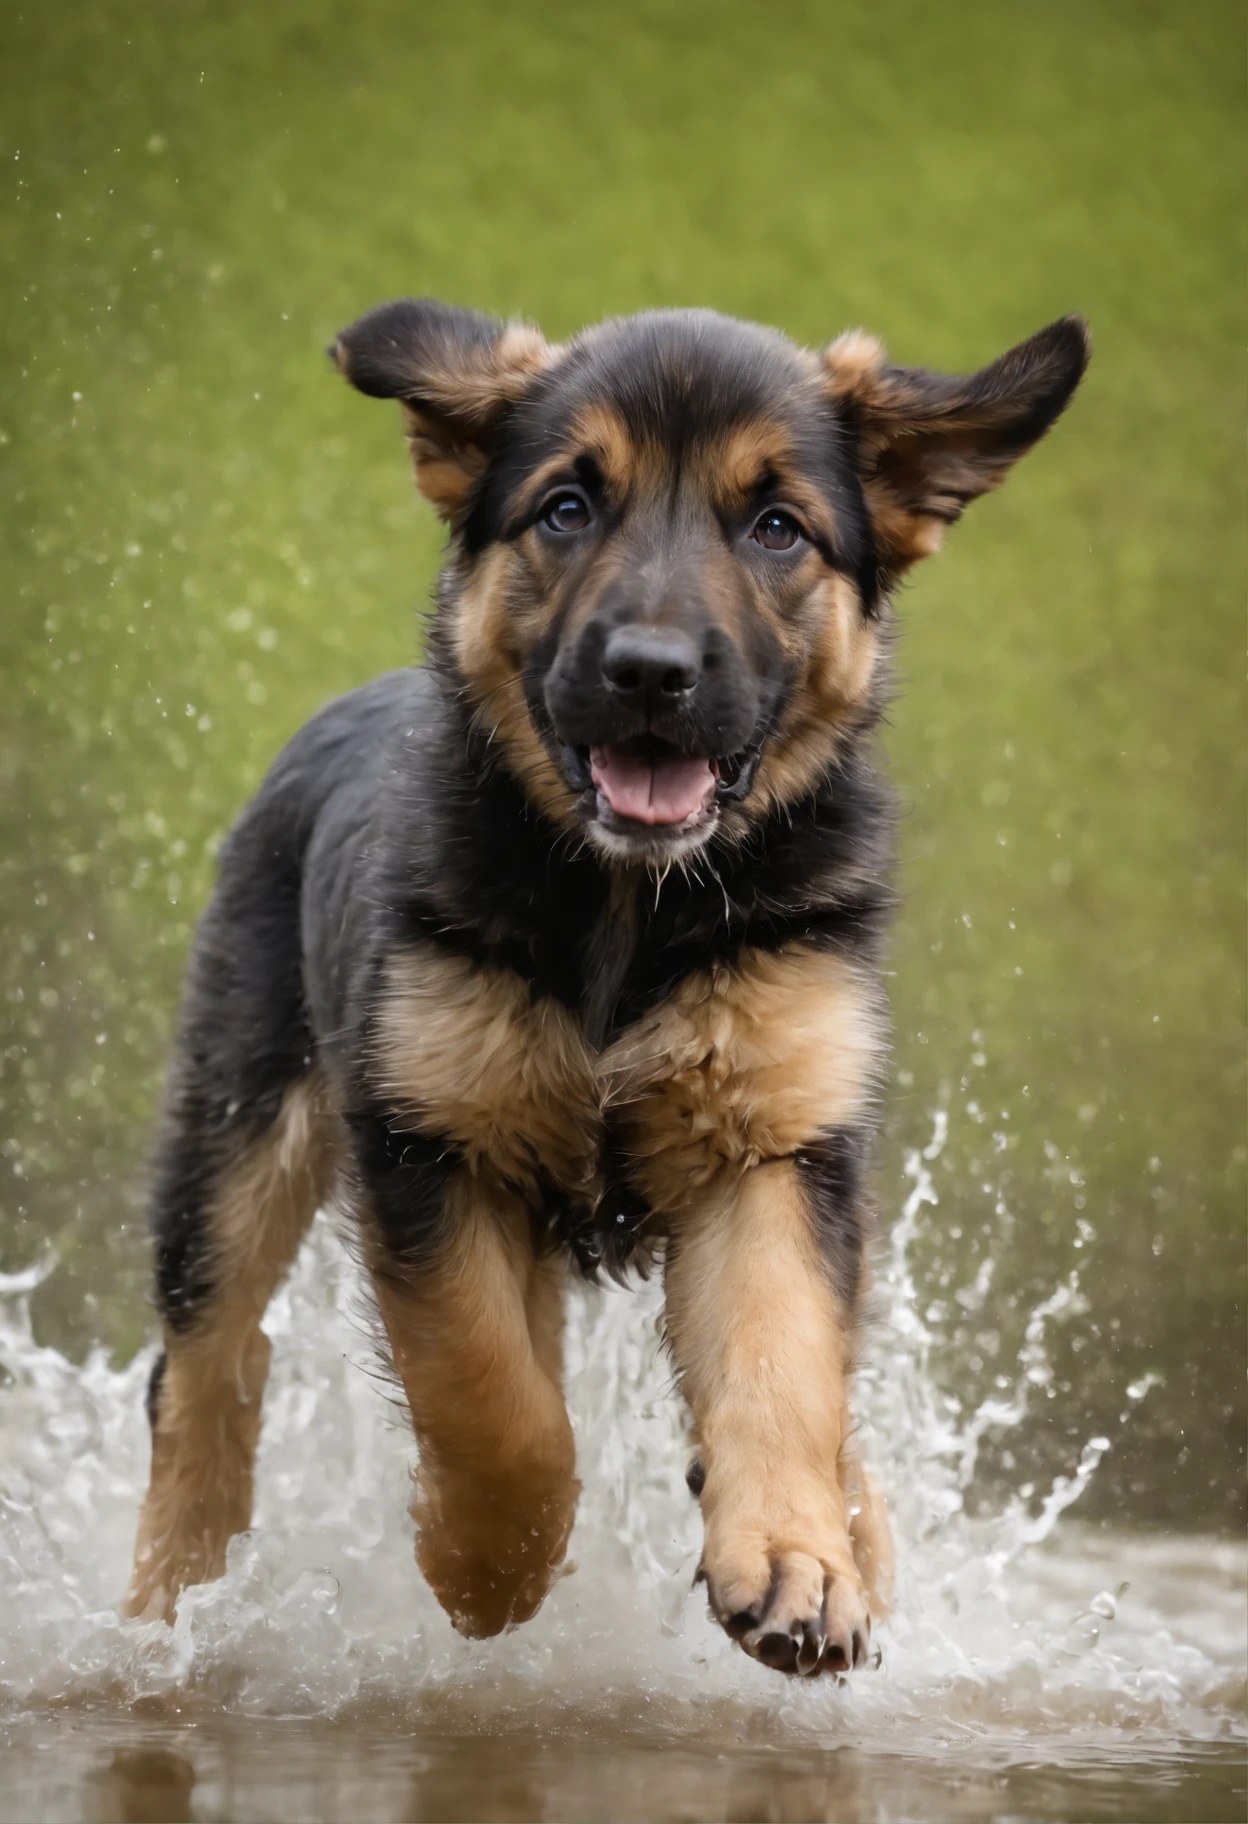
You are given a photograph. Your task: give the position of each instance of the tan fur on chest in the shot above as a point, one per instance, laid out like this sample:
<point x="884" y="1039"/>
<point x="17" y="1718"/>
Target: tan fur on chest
<point x="466" y="1051"/>
<point x="744" y="1062"/>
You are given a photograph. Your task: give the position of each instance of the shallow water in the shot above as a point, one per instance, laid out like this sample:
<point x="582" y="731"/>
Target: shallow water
<point x="93" y="1769"/>
<point x="1032" y="1667"/>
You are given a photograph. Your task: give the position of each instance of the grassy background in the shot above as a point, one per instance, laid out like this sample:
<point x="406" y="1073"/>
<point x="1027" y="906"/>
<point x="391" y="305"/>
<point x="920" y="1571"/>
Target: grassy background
<point x="203" y="536"/>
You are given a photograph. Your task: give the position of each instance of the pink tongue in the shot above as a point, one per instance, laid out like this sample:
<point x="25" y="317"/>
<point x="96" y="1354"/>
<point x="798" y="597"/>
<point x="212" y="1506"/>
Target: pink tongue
<point x="664" y="792"/>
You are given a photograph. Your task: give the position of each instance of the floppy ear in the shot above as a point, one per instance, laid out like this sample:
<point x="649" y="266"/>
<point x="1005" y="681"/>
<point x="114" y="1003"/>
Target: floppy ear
<point x="455" y="371"/>
<point x="929" y="444"/>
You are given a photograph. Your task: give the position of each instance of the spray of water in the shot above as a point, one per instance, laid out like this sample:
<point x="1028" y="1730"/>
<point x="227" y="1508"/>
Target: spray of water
<point x="1007" y="1629"/>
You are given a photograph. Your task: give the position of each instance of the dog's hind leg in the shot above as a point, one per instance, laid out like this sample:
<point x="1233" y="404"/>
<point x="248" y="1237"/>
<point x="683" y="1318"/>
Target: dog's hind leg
<point x="231" y="1210"/>
<point x="475" y="1336"/>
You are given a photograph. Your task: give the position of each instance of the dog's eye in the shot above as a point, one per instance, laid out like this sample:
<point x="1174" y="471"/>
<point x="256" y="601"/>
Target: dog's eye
<point x="566" y="513"/>
<point x="776" y="531"/>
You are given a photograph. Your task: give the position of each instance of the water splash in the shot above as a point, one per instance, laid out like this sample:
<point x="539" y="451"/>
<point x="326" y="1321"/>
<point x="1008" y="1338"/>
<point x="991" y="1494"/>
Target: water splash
<point x="1005" y="1629"/>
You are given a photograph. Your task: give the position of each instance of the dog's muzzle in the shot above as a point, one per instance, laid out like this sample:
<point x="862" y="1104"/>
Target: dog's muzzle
<point x="657" y="729"/>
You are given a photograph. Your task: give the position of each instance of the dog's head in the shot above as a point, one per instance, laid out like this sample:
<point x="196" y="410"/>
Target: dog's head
<point x="673" y="540"/>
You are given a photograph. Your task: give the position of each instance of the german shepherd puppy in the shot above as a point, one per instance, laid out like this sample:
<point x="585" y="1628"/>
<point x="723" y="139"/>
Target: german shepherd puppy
<point x="563" y="950"/>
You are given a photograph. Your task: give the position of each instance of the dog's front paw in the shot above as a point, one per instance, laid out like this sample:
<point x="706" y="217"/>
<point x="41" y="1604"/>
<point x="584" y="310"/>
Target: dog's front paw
<point x="791" y="1609"/>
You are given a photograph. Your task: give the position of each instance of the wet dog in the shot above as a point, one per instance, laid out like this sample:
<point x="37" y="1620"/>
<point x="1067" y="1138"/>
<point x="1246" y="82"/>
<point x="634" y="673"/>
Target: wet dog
<point x="562" y="952"/>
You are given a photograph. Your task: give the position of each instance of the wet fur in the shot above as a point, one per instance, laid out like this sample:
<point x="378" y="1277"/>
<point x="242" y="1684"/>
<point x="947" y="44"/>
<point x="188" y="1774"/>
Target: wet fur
<point x="432" y="984"/>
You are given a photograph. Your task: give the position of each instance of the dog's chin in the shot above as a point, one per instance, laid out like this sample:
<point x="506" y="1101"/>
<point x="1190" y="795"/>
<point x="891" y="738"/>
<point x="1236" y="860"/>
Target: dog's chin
<point x="622" y="840"/>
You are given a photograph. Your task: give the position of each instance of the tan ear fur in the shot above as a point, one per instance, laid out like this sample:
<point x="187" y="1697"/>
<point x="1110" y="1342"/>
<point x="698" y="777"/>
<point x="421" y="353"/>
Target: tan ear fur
<point x="447" y="467"/>
<point x="448" y="433"/>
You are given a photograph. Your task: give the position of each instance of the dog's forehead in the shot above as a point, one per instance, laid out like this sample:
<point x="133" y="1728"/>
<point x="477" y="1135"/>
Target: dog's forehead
<point x="678" y="378"/>
<point x="664" y="367"/>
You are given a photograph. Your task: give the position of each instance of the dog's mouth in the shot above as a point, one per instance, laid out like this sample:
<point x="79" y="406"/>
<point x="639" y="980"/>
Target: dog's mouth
<point x="648" y="782"/>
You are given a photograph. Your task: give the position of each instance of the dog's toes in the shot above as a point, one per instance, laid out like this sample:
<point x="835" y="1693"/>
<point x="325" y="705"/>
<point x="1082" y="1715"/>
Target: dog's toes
<point x="847" y="1626"/>
<point x="804" y="1619"/>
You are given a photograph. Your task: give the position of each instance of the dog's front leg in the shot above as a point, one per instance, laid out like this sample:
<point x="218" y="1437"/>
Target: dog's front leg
<point x="475" y="1336"/>
<point x="759" y="1334"/>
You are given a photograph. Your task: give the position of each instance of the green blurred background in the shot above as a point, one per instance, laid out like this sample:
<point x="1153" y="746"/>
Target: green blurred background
<point x="205" y="536"/>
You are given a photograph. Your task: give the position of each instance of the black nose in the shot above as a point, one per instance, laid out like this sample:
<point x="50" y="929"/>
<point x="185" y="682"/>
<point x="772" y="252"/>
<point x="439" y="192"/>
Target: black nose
<point x="655" y="662"/>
